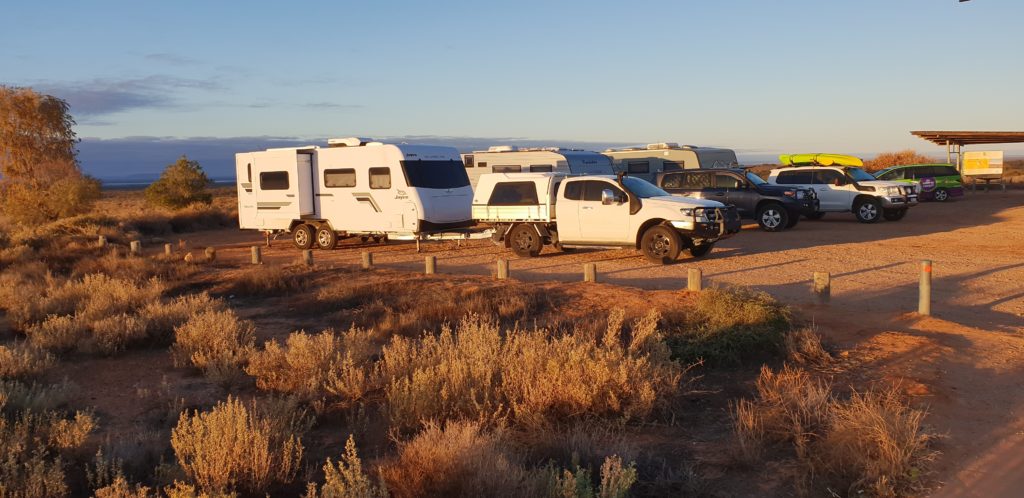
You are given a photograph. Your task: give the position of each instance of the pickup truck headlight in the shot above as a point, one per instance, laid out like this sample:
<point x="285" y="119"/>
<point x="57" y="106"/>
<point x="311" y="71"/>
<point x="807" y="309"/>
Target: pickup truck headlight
<point x="686" y="212"/>
<point x="892" y="190"/>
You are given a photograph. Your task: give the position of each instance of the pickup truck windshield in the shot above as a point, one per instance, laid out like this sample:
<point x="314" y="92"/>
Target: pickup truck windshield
<point x="435" y="174"/>
<point x="643" y="189"/>
<point x="859" y="175"/>
<point x="756" y="180"/>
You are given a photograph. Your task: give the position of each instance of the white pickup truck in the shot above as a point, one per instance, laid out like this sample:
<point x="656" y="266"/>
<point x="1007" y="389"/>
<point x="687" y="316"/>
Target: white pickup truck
<point x="598" y="211"/>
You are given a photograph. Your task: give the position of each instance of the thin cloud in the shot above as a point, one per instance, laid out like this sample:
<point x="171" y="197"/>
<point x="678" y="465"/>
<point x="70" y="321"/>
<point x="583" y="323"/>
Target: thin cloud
<point x="171" y="59"/>
<point x="103" y="96"/>
<point x="332" y="105"/>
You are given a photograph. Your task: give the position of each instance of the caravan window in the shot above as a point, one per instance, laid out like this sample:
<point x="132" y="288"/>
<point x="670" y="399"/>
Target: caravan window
<point x="507" y="168"/>
<point x="481" y="165"/>
<point x="435" y="174"/>
<point x="468" y="161"/>
<point x="541" y="168"/>
<point x="380" y="178"/>
<point x="667" y="166"/>
<point x="638" y="166"/>
<point x="336" y="178"/>
<point x="514" y="194"/>
<point x="274" y="180"/>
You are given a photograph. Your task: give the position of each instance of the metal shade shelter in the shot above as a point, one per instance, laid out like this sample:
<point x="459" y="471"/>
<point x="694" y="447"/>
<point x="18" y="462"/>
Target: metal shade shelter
<point x="955" y="140"/>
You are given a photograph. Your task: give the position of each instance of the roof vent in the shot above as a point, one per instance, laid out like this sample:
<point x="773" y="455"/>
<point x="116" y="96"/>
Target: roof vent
<point x="502" y="148"/>
<point x="348" y="141"/>
<point x="662" y="145"/>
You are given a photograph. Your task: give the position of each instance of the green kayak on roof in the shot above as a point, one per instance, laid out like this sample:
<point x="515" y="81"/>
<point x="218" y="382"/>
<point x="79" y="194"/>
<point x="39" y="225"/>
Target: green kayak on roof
<point x="819" y="160"/>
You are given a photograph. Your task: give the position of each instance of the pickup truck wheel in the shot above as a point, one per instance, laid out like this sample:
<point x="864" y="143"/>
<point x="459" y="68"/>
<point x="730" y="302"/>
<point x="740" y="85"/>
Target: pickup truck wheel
<point x="661" y="244"/>
<point x="894" y="214"/>
<point x="302" y="236"/>
<point x="867" y="210"/>
<point x="941" y="195"/>
<point x="817" y="215"/>
<point x="772" y="217"/>
<point x="525" y="241"/>
<point x="701" y="249"/>
<point x="326" y="238"/>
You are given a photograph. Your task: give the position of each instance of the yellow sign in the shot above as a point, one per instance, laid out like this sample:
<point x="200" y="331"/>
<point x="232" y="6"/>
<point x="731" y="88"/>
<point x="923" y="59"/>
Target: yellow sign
<point x="983" y="163"/>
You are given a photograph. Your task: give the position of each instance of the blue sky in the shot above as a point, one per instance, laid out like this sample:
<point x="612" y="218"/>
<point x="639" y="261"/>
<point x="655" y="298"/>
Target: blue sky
<point x="761" y="77"/>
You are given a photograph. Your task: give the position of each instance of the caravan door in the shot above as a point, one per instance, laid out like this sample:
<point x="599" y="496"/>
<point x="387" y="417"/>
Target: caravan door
<point x="283" y="188"/>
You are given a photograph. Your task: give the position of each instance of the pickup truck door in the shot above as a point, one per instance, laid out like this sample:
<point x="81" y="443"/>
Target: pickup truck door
<point x="599" y="222"/>
<point x="831" y="196"/>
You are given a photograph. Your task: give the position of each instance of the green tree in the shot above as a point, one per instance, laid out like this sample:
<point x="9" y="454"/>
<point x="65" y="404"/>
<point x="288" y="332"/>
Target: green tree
<point x="40" y="179"/>
<point x="181" y="184"/>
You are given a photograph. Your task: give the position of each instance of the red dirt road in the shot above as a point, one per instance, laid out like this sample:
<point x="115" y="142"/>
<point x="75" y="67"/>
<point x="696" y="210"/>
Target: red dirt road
<point x="966" y="362"/>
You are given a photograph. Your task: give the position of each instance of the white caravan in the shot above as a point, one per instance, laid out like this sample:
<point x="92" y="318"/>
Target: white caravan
<point x="511" y="159"/>
<point x="647" y="162"/>
<point x="353" y="187"/>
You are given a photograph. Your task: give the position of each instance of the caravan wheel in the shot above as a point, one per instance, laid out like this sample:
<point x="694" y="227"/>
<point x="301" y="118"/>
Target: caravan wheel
<point x="302" y="236"/>
<point x="326" y="238"/>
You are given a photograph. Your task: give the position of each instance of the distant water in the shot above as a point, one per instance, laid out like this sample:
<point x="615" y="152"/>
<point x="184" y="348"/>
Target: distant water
<point x="139" y="185"/>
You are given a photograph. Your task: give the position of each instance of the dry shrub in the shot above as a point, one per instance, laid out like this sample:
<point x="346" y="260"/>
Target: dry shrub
<point x="791" y="407"/>
<point x="616" y="481"/>
<point x="121" y="488"/>
<point x="876" y="442"/>
<point x="528" y="377"/>
<point x="232" y="447"/>
<point x="886" y="159"/>
<point x="94" y="313"/>
<point x="116" y="265"/>
<point x="458" y="460"/>
<point x="409" y="308"/>
<point x="803" y="346"/>
<point x="316" y="367"/>
<point x="871" y="443"/>
<point x="729" y="325"/>
<point x="18" y="361"/>
<point x="30" y="447"/>
<point x="163" y="317"/>
<point x="268" y="281"/>
<point x="36" y="398"/>
<point x="216" y="342"/>
<point x="346" y="479"/>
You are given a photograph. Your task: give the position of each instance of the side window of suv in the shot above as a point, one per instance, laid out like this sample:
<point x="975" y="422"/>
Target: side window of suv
<point x="574" y="191"/>
<point x="673" y="181"/>
<point x="726" y="181"/>
<point x="697" y="181"/>
<point x="798" y="177"/>
<point x="828" y="177"/>
<point x="896" y="174"/>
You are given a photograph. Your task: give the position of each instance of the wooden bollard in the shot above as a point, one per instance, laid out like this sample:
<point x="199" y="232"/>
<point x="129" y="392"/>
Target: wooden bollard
<point x="924" y="298"/>
<point x="502" y="269"/>
<point x="307" y="257"/>
<point x="182" y="245"/>
<point x="168" y="249"/>
<point x="430" y="265"/>
<point x="102" y="242"/>
<point x="257" y="255"/>
<point x="589" y="272"/>
<point x="211" y="254"/>
<point x="822" y="286"/>
<point x="694" y="280"/>
<point x="367" y="260"/>
<point x="136" y="248"/>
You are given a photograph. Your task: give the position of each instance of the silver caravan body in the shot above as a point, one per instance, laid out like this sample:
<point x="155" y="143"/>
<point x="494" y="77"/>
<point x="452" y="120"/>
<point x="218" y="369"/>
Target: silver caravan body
<point x="509" y="159"/>
<point x="647" y="162"/>
<point x="353" y="187"/>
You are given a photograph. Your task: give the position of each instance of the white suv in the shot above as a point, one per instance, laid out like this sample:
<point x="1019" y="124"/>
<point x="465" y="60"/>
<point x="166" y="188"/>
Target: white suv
<point x="846" y="189"/>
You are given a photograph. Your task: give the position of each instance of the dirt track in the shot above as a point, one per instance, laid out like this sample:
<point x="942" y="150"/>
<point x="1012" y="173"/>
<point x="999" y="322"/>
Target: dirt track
<point x="966" y="362"/>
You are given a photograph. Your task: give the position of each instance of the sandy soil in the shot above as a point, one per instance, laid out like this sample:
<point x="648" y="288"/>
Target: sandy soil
<point x="966" y="362"/>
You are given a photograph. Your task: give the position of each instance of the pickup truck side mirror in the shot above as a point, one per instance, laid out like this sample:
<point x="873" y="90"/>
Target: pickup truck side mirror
<point x="607" y="197"/>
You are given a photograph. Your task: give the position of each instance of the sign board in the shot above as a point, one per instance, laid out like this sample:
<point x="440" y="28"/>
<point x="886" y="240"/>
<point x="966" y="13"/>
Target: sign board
<point x="983" y="163"/>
